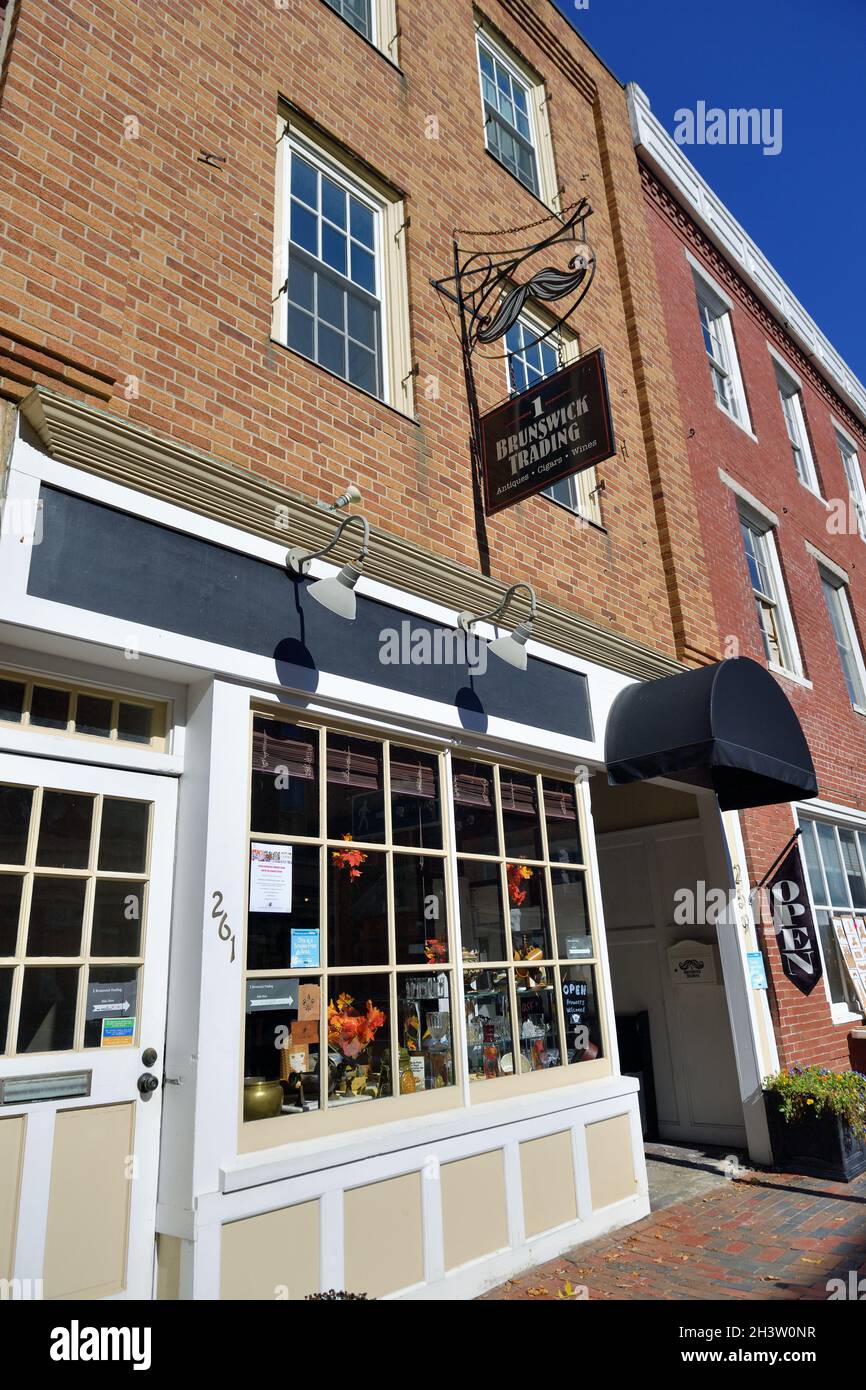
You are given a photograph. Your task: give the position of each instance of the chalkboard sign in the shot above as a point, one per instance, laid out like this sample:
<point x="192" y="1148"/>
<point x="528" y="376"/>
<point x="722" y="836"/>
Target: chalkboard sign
<point x="575" y="1002"/>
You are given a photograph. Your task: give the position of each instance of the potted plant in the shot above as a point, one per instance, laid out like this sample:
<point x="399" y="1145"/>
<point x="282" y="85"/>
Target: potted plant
<point x="817" y="1121"/>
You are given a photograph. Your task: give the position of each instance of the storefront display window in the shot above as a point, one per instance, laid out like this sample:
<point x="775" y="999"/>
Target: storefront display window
<point x="350" y="957"/>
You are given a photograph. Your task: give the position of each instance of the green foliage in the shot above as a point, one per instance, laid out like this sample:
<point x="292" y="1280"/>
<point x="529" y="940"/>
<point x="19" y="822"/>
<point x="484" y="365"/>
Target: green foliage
<point x="805" y="1092"/>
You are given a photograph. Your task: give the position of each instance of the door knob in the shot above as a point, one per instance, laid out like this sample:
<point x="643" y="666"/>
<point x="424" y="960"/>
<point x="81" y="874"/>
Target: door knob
<point x="147" y="1082"/>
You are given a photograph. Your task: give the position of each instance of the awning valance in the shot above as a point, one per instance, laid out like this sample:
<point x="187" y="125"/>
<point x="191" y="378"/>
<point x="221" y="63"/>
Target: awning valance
<point x="729" y="727"/>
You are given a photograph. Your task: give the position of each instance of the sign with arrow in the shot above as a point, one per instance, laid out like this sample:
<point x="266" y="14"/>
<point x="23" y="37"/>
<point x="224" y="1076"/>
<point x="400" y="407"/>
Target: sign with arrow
<point x="117" y="999"/>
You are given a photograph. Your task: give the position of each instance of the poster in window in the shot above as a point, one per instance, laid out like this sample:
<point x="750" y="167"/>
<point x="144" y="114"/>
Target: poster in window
<point x="851" y="936"/>
<point x="270" y="878"/>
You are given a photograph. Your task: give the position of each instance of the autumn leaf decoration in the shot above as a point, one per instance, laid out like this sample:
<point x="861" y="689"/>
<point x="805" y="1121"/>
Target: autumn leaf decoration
<point x="349" y="859"/>
<point x="352" y="1032"/>
<point x="516" y="874"/>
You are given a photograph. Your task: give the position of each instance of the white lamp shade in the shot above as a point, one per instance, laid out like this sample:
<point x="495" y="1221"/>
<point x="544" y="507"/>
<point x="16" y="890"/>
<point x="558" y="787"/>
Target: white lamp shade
<point x="337" y="594"/>
<point x="512" y="647"/>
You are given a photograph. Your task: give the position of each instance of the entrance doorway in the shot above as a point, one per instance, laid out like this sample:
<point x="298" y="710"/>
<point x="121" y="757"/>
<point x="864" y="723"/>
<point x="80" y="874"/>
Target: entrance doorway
<point x="86" y="857"/>
<point x="669" y="992"/>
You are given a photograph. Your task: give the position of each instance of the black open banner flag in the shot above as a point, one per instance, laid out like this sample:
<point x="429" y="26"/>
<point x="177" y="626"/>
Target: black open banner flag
<point x="794" y="923"/>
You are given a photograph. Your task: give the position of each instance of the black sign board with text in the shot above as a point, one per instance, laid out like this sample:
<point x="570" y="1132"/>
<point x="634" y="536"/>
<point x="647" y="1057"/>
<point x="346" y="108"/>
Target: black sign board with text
<point x="561" y="425"/>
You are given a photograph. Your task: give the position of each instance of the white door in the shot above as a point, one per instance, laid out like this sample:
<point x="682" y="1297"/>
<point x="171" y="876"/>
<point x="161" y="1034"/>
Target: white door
<point x="86" y="861"/>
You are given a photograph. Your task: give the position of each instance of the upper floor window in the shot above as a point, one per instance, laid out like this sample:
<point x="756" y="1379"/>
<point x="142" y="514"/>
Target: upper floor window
<point x="340" y="277"/>
<point x="795" y="422"/>
<point x="530" y="361"/>
<point x="854" y="477"/>
<point x="376" y="20"/>
<point x="516" y="130"/>
<point x="847" y="644"/>
<point x="715" y="316"/>
<point x="774" y="618"/>
<point x="358" y="13"/>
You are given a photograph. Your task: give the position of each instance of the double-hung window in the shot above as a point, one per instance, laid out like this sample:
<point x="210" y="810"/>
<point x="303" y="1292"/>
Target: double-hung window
<point x="718" y="334"/>
<point x="358" y="13"/>
<point x="771" y="605"/>
<point x="835" y="856"/>
<point x="847" y="644"/>
<point x="375" y="20"/>
<point x="530" y="360"/>
<point x="340" y="295"/>
<point x="516" y="129"/>
<point x="854" y="478"/>
<point x="791" y="398"/>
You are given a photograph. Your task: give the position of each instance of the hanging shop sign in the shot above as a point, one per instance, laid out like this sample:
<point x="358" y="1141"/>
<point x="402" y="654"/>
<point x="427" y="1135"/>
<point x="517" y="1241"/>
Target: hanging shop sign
<point x="794" y="923"/>
<point x="560" y="425"/>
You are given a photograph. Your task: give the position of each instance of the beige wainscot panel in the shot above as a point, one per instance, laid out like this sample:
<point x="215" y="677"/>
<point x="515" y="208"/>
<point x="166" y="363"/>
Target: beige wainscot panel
<point x="88" y="1207"/>
<point x="168" y="1250"/>
<point x="474" y="1212"/>
<point x="611" y="1161"/>
<point x="383" y="1241"/>
<point x="273" y="1256"/>
<point x="12" y="1130"/>
<point x="547" y="1170"/>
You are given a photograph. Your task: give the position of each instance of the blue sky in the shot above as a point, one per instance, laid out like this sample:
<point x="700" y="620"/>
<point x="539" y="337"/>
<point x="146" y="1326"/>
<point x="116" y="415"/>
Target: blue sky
<point x="806" y="206"/>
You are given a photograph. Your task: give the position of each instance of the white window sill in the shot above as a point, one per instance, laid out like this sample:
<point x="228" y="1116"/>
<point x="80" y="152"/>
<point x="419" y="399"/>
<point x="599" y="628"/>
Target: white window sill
<point x="789" y="675"/>
<point x="739" y="424"/>
<point x="858" y="709"/>
<point x="813" y="491"/>
<point x="841" y="1015"/>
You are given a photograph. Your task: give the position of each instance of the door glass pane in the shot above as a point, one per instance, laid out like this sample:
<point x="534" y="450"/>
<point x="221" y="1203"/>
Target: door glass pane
<point x="357" y="908"/>
<point x="415" y="805"/>
<point x="426" y="1060"/>
<point x="421" y="921"/>
<point x="49" y="708"/>
<point x="489" y="1034"/>
<point x="10" y="905"/>
<point x="5" y="996"/>
<point x="527" y="906"/>
<point x="276" y="940"/>
<point x="474" y="808"/>
<point x="93" y="716"/>
<point x="360" y="1066"/>
<point x="123" y="836"/>
<point x="64" y="830"/>
<point x="56" y="916"/>
<point x="15" y="807"/>
<point x="47" y="1020"/>
<point x="482" y="922"/>
<point x="520" y="818"/>
<point x="119" y="1002"/>
<point x="573" y="938"/>
<point x="583" y="1039"/>
<point x="560" y="810"/>
<point x="356" y="797"/>
<point x="536" y="1021"/>
<point x="118" y="913"/>
<point x="285" y="790"/>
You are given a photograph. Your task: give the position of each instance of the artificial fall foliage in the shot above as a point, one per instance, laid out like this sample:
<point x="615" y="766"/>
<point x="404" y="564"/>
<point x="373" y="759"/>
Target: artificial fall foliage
<point x="351" y="1032"/>
<point x="517" y="873"/>
<point x="350" y="859"/>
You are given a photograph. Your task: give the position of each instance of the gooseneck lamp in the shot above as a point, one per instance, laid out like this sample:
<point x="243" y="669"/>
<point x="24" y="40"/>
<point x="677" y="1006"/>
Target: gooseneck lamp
<point x="512" y="646"/>
<point x="337" y="594"/>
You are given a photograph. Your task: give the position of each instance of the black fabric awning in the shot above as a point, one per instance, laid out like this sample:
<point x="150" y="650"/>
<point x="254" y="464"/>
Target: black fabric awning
<point x="729" y="727"/>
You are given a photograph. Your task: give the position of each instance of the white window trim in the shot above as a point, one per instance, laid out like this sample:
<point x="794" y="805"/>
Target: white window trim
<point x="390" y="252"/>
<point x="830" y="573"/>
<point x="720" y="304"/>
<point x="839" y="816"/>
<point x="754" y="517"/>
<point x="845" y="442"/>
<point x="539" y="123"/>
<point x="750" y="500"/>
<point x="791" y="387"/>
<point x="383" y="27"/>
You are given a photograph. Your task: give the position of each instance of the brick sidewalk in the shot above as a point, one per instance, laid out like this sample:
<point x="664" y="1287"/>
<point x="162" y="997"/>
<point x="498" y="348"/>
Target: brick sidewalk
<point x="767" y="1236"/>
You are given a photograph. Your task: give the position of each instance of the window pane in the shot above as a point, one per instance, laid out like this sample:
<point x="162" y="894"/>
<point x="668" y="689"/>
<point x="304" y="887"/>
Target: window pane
<point x="416" y="816"/>
<point x="134" y="723"/>
<point x="536" y="1021"/>
<point x="93" y="716"/>
<point x="49" y="708"/>
<point x="836" y="881"/>
<point x="362" y="369"/>
<point x="124" y="999"/>
<point x="123" y="837"/>
<point x="56" y="916"/>
<point x="573" y="938"/>
<point x="357" y="908"/>
<point x="421" y="918"/>
<point x="356" y="797"/>
<point x="563" y="827"/>
<point x="527" y="905"/>
<point x="305" y="229"/>
<point x="64" y="830"/>
<point x="362" y="321"/>
<point x="285" y="791"/>
<point x="853" y="871"/>
<point x="47" y="1019"/>
<point x="426" y="1059"/>
<point x="482" y="923"/>
<point x="361" y="223"/>
<point x="331" y="303"/>
<point x="280" y="1045"/>
<point x="332" y="350"/>
<point x="363" y="268"/>
<point x="583" y="1038"/>
<point x="334" y="248"/>
<point x="11" y="886"/>
<point x="474" y="808"/>
<point x="15" y="807"/>
<point x="300" y="331"/>
<point x="275" y="940"/>
<point x="11" y="707"/>
<point x="118" y="913"/>
<point x="520" y="818"/>
<point x="837" y="974"/>
<point x="360" y="1066"/>
<point x="489" y="1032"/>
<point x="5" y="996"/>
<point x="333" y="202"/>
<point x="301" y="284"/>
<point x="813" y="863"/>
<point x="304" y="181"/>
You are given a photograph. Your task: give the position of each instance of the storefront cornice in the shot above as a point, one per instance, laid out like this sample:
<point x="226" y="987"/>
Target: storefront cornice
<point x="112" y="447"/>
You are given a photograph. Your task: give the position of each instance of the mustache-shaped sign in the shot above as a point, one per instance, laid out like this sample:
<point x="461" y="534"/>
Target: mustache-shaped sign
<point x="544" y="285"/>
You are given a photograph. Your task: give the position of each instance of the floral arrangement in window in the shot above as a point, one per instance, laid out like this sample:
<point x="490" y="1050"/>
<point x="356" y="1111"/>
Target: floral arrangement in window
<point x="517" y="874"/>
<point x="349" y="859"/>
<point x="435" y="951"/>
<point x="350" y="1031"/>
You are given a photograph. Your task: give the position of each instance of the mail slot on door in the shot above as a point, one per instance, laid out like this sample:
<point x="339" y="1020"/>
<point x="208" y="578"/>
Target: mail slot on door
<point x="63" y="1085"/>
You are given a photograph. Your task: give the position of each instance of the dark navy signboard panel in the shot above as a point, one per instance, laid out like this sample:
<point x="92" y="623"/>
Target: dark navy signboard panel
<point x="110" y="562"/>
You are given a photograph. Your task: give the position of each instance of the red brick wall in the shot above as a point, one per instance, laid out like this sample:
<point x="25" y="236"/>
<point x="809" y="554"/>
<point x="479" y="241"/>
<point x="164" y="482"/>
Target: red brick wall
<point x="150" y="264"/>
<point x="835" y="732"/>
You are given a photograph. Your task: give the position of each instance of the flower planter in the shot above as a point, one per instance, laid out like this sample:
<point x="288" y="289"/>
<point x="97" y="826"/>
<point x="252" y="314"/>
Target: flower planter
<point x="821" y="1146"/>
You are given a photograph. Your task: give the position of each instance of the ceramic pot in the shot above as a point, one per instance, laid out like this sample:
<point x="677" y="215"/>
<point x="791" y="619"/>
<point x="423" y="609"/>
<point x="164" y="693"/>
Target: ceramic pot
<point x="262" y="1099"/>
